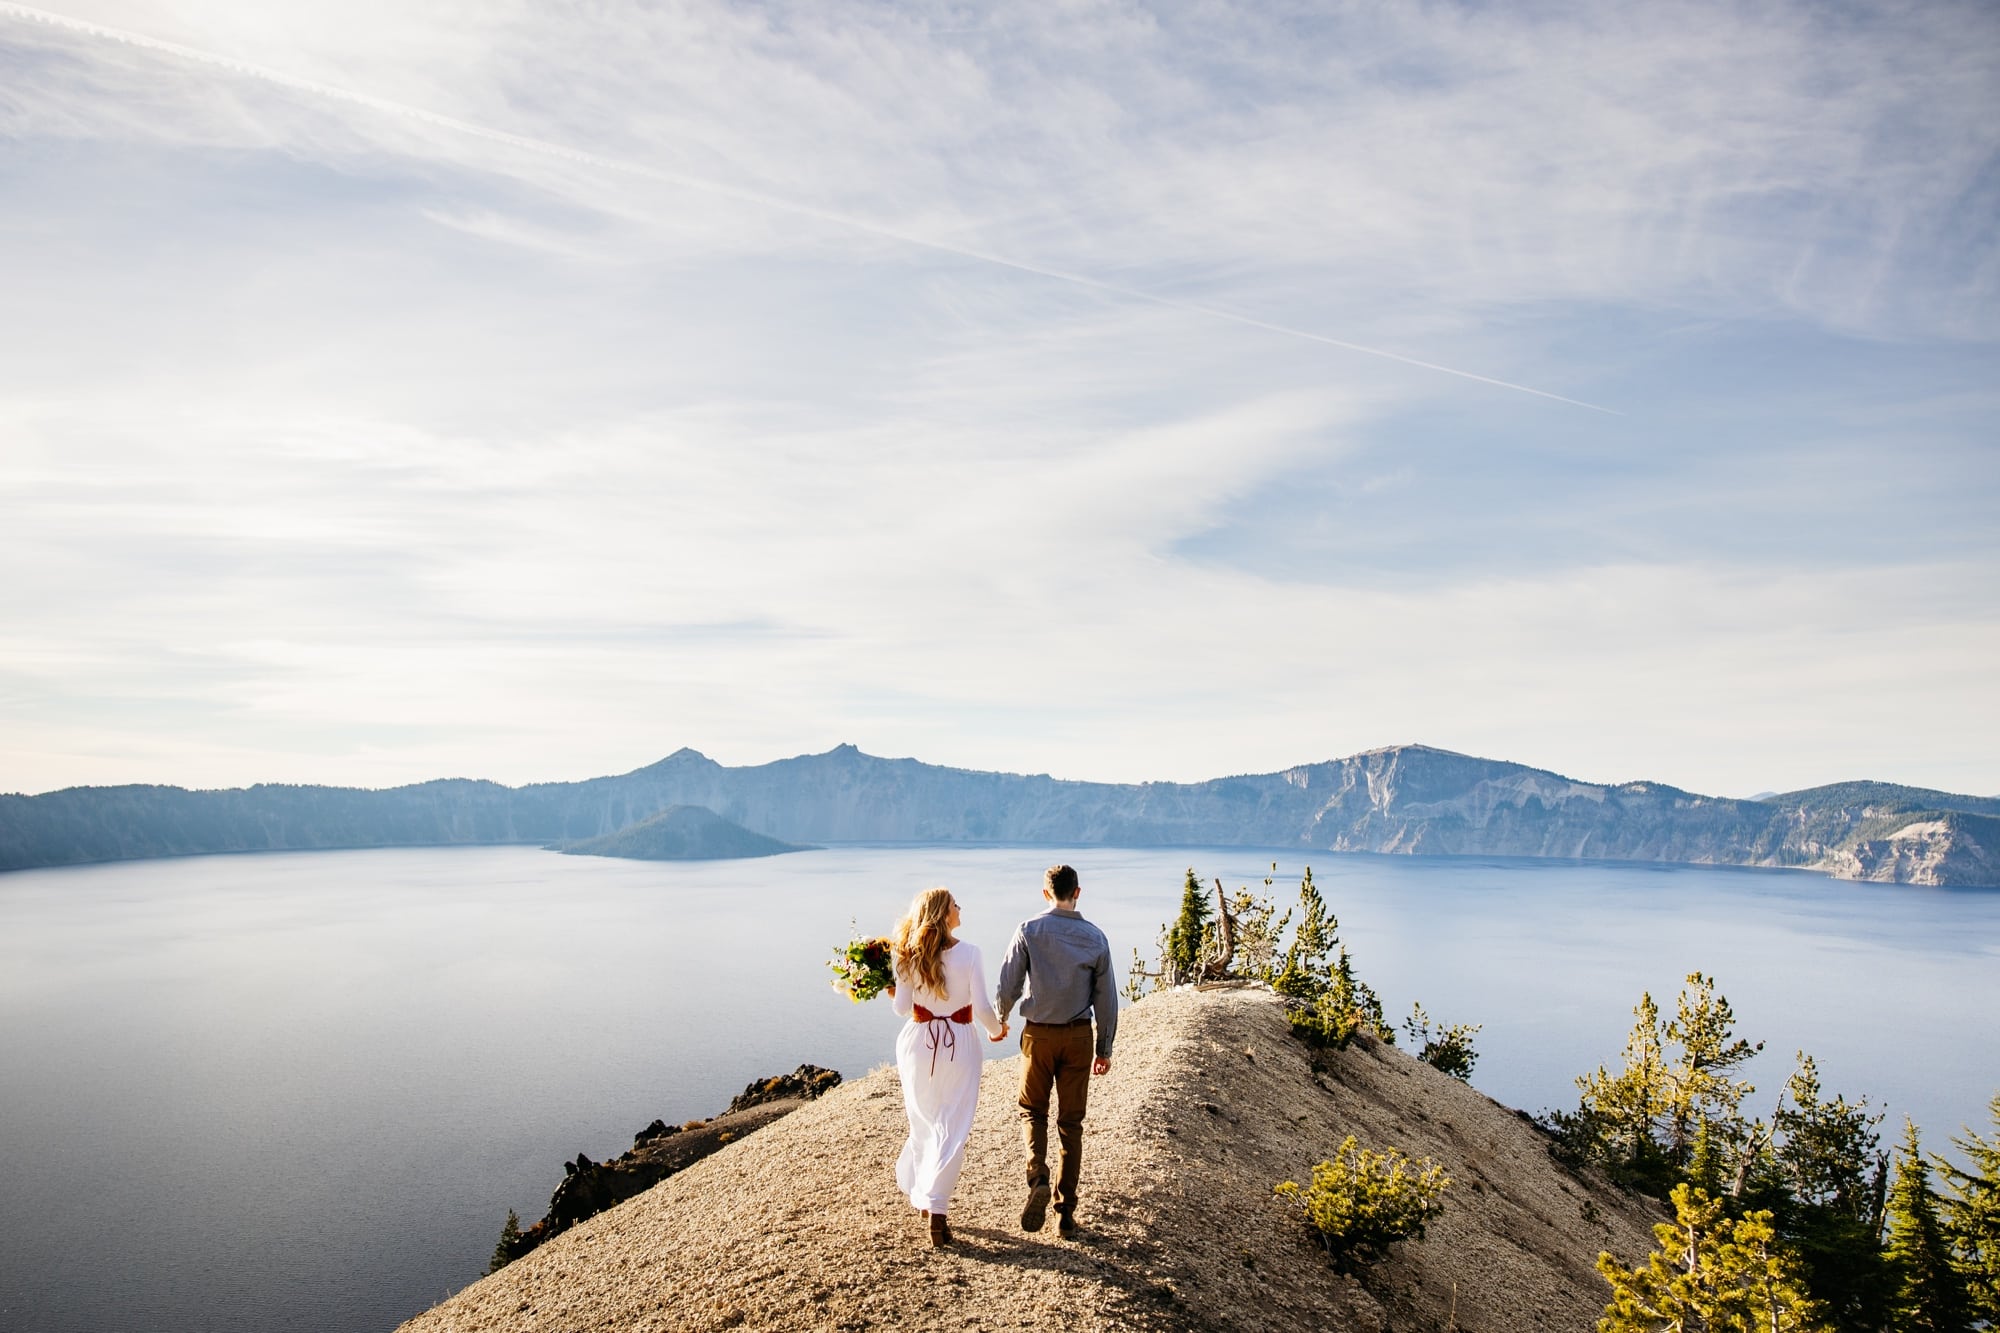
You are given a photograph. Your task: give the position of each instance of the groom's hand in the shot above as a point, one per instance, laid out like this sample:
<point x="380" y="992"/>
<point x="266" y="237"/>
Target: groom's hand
<point x="1003" y="1034"/>
<point x="1101" y="1065"/>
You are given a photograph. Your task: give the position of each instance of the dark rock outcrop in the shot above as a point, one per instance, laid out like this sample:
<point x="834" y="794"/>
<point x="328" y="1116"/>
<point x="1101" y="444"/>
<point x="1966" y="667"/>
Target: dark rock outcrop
<point x="659" y="1150"/>
<point x="804" y="1083"/>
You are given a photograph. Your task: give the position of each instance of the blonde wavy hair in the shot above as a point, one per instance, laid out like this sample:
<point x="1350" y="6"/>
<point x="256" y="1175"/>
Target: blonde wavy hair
<point x="922" y="937"/>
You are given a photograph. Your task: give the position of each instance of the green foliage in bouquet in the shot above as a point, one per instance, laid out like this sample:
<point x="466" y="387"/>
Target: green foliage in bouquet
<point x="863" y="969"/>
<point x="1362" y="1201"/>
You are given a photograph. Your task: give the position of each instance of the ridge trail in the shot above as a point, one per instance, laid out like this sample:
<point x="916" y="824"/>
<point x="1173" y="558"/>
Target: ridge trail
<point x="1210" y="1102"/>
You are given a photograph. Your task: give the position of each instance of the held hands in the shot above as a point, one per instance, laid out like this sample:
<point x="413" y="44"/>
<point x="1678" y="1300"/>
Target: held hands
<point x="1004" y="1029"/>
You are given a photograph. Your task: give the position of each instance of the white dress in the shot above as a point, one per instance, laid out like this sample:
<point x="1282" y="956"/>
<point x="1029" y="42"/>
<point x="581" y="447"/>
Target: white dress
<point x="940" y="1062"/>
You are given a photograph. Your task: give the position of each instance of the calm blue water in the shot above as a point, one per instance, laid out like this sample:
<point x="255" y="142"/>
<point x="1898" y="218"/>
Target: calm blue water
<point x="302" y="1091"/>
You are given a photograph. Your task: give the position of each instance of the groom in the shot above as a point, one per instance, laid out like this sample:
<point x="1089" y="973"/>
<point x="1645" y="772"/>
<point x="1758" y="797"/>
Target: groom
<point x="1066" y="964"/>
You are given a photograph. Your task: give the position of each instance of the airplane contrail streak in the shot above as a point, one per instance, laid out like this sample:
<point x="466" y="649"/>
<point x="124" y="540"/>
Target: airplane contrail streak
<point x="583" y="157"/>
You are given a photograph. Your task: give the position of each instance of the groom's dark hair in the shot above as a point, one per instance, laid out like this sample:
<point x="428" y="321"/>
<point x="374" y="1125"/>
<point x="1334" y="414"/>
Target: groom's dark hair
<point x="1061" y="882"/>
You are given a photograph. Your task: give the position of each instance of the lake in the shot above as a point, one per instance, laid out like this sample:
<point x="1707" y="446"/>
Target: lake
<point x="301" y="1091"/>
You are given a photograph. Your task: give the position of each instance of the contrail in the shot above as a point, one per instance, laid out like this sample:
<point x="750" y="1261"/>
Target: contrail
<point x="544" y="147"/>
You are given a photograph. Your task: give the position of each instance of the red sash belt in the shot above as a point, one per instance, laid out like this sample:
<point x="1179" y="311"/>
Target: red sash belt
<point x="940" y="1033"/>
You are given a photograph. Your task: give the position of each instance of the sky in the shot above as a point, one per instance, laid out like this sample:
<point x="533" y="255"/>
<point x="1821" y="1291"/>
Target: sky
<point x="1122" y="392"/>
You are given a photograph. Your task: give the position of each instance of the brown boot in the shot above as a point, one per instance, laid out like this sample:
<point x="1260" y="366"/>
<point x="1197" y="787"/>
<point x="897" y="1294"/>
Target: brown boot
<point x="1035" y="1211"/>
<point x="940" y="1231"/>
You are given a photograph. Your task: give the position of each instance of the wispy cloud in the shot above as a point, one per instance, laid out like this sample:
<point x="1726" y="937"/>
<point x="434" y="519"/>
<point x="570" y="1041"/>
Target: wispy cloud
<point x="759" y="198"/>
<point x="494" y="390"/>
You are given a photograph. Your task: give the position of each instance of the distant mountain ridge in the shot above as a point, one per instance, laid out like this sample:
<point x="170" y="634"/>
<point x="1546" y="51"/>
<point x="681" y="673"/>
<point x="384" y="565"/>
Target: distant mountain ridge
<point x="1401" y="799"/>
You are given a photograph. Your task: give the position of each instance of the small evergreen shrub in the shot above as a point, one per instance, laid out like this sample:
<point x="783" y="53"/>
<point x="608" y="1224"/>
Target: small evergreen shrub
<point x="1345" y="1007"/>
<point x="1448" y="1049"/>
<point x="510" y="1241"/>
<point x="1325" y="1022"/>
<point x="1362" y="1201"/>
<point x="1259" y="932"/>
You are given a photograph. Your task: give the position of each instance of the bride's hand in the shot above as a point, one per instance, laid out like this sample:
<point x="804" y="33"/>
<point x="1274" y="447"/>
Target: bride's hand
<point x="1003" y="1034"/>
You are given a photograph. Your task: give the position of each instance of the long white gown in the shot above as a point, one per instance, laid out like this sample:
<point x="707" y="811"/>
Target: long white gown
<point x="940" y="1062"/>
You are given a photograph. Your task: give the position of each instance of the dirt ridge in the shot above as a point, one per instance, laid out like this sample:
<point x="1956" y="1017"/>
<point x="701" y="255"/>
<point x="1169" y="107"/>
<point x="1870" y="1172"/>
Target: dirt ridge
<point x="1210" y="1102"/>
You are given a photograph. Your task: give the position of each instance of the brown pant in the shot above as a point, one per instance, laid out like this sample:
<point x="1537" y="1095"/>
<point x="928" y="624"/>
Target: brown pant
<point x="1058" y="1058"/>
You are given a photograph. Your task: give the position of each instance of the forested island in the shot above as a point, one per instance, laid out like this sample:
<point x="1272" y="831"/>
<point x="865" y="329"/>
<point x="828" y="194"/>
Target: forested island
<point x="1410" y="799"/>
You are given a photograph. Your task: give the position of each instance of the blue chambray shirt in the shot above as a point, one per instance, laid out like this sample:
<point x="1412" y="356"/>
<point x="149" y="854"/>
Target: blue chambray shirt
<point x="1065" y="963"/>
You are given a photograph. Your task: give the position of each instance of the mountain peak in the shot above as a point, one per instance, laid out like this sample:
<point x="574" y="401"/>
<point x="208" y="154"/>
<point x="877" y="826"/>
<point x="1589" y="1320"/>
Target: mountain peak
<point x="685" y="755"/>
<point x="1419" y="748"/>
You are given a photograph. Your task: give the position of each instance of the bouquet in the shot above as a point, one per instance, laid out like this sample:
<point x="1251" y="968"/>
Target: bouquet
<point x="863" y="968"/>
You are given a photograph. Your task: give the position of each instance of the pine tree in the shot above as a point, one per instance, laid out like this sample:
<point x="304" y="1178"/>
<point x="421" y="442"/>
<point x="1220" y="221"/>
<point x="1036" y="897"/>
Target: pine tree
<point x="1258" y="930"/>
<point x="1718" y="1155"/>
<point x="1972" y="1216"/>
<point x="1709" y="1274"/>
<point x="1929" y="1295"/>
<point x="1358" y="1000"/>
<point x="1619" y="1110"/>
<point x="1830" y="1166"/>
<point x="1774" y="1299"/>
<point x="1308" y="969"/>
<point x="510" y="1239"/>
<point x="1674" y="1094"/>
<point x="1187" y="939"/>
<point x="1699" y="1088"/>
<point x="1829" y="1149"/>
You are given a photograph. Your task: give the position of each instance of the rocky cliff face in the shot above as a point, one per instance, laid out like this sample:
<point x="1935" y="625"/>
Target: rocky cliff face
<point x="1404" y="799"/>
<point x="1941" y="850"/>
<point x="1900" y="835"/>
<point x="1418" y="800"/>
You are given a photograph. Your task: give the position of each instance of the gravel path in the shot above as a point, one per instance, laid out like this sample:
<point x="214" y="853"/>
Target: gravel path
<point x="1210" y="1102"/>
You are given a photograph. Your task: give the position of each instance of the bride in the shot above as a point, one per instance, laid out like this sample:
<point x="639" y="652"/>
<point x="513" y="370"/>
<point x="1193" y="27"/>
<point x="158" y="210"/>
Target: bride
<point x="941" y="987"/>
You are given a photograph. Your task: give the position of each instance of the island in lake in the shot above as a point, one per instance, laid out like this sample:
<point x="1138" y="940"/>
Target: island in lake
<point x="682" y="833"/>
